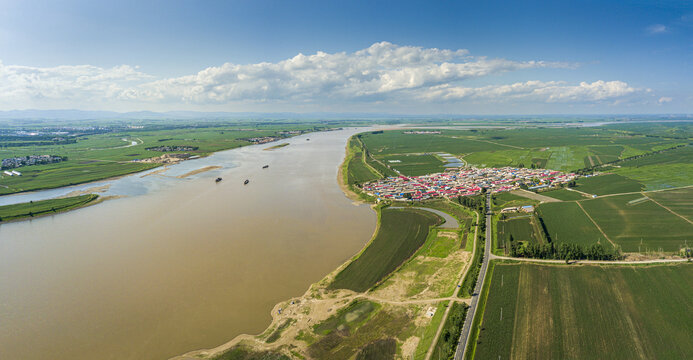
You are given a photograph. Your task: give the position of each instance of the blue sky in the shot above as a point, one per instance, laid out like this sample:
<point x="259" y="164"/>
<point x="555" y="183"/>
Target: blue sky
<point x="472" y="57"/>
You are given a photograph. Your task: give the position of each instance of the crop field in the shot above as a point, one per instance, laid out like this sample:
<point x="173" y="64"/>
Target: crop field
<point x="567" y="223"/>
<point x="414" y="164"/>
<point x="607" y="184"/>
<point x="520" y="228"/>
<point x="563" y="194"/>
<point x="358" y="172"/>
<point x="588" y="312"/>
<point x="638" y="224"/>
<point x="401" y="233"/>
<point x="37" y="208"/>
<point x="559" y="148"/>
<point x="71" y="172"/>
<point x="679" y="201"/>
<point x="667" y="169"/>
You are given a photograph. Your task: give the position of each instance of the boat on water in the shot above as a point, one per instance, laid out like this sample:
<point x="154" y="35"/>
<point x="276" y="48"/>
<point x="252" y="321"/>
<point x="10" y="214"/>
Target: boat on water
<point x="265" y="167"/>
<point x="246" y="182"/>
<point x="217" y="179"/>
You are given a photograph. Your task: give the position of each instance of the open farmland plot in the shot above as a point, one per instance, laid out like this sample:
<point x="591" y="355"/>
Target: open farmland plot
<point x="608" y="184"/>
<point x="566" y="223"/>
<point x="679" y="201"/>
<point x="638" y="224"/>
<point x="414" y="164"/>
<point x="401" y="233"/>
<point x="588" y="312"/>
<point x="564" y="194"/>
<point x="520" y="228"/>
<point x="667" y="169"/>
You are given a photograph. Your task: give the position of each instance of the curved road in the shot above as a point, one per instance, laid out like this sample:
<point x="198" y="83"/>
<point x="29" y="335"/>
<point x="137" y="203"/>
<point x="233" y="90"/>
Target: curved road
<point x="450" y="222"/>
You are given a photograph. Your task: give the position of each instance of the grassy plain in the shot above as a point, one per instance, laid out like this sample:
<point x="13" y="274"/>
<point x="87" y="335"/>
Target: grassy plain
<point x="44" y="207"/>
<point x="559" y="312"/>
<point x="401" y="233"/>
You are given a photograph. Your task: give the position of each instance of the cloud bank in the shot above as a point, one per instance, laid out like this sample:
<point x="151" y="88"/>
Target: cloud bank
<point x="381" y="73"/>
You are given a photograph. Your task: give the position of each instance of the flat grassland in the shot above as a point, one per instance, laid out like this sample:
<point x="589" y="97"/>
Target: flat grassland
<point x="401" y="233"/>
<point x="588" y="312"/>
<point x="638" y="224"/>
<point x="43" y="207"/>
<point x="566" y="223"/>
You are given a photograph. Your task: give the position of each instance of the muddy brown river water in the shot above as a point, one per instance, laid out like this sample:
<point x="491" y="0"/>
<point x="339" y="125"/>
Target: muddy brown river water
<point x="179" y="264"/>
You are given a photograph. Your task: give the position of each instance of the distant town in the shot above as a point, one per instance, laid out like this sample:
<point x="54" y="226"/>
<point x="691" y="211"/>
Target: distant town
<point x="463" y="182"/>
<point x="15" y="162"/>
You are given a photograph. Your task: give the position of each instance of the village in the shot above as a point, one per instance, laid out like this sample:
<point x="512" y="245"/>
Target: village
<point x="463" y="182"/>
<point x="15" y="162"/>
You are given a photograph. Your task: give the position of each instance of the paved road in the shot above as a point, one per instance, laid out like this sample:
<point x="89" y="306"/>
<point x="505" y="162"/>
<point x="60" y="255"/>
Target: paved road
<point x="471" y="313"/>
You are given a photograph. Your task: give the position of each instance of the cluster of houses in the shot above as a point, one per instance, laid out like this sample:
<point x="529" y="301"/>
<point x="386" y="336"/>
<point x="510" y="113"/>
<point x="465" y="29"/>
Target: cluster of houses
<point x="423" y="132"/>
<point x="262" y="140"/>
<point x="167" y="148"/>
<point x="15" y="162"/>
<point x="463" y="182"/>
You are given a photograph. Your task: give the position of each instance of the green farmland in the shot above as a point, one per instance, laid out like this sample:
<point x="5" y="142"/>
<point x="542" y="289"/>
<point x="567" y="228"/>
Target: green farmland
<point x="566" y="223"/>
<point x="563" y="149"/>
<point x="660" y="171"/>
<point x="608" y="184"/>
<point x="638" y="224"/>
<point x="564" y="194"/>
<point x="588" y="312"/>
<point x="414" y="164"/>
<point x="520" y="228"/>
<point x="679" y="201"/>
<point x="44" y="207"/>
<point x="401" y="233"/>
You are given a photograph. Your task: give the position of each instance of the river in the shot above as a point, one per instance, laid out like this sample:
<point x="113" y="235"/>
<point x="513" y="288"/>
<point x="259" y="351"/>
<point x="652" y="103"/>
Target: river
<point x="178" y="264"/>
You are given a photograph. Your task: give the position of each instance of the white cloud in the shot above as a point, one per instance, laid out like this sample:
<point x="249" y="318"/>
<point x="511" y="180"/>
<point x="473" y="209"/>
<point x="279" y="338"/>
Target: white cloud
<point x="664" y="100"/>
<point x="80" y="82"/>
<point x="383" y="73"/>
<point x="551" y="91"/>
<point x="657" y="29"/>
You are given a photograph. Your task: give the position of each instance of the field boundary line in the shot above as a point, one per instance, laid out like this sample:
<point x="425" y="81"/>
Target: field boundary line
<point x="667" y="209"/>
<point x="490" y="142"/>
<point x="649" y="191"/>
<point x="595" y="224"/>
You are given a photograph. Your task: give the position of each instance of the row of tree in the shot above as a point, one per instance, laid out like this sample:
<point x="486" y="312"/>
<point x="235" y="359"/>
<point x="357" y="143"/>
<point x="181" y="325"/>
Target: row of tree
<point x="563" y="251"/>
